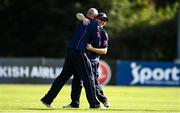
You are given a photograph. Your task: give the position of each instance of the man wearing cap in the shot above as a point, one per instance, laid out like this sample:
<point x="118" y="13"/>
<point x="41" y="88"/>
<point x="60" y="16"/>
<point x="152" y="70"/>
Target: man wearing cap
<point x="77" y="63"/>
<point x="96" y="47"/>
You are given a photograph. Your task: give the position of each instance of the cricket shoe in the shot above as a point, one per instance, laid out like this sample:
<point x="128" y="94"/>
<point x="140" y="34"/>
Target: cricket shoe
<point x="69" y="106"/>
<point x="106" y="104"/>
<point x="46" y="104"/>
<point x="100" y="107"/>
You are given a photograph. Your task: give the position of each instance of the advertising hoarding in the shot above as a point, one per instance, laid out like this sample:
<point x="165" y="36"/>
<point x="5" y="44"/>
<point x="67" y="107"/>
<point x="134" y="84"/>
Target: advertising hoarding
<point x="42" y="71"/>
<point x="131" y="73"/>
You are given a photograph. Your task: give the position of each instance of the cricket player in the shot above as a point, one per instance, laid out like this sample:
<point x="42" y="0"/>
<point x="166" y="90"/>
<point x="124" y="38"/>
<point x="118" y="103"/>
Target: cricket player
<point x="95" y="48"/>
<point x="77" y="63"/>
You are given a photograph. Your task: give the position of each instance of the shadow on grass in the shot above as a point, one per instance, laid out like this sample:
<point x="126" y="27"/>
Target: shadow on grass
<point x="77" y="109"/>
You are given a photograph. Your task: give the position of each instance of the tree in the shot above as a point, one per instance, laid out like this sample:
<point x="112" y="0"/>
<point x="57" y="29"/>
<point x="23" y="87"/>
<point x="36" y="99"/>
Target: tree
<point x="139" y="31"/>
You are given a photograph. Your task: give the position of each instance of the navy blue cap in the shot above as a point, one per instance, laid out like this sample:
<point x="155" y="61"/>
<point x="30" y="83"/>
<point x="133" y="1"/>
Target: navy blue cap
<point x="103" y="15"/>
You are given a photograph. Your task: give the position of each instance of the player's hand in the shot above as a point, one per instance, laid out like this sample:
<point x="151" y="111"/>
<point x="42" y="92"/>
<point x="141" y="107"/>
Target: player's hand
<point x="89" y="46"/>
<point x="86" y="21"/>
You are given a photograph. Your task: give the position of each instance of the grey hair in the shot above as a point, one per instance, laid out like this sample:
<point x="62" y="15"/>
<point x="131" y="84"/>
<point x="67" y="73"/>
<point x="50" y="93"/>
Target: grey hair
<point x="92" y="12"/>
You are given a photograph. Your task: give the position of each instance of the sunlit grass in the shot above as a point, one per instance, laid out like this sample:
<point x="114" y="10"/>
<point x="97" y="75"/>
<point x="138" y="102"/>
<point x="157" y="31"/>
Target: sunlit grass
<point x="26" y="98"/>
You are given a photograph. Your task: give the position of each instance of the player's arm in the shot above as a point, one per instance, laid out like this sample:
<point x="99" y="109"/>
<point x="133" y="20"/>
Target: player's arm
<point x="96" y="50"/>
<point x="104" y="44"/>
<point x="81" y="17"/>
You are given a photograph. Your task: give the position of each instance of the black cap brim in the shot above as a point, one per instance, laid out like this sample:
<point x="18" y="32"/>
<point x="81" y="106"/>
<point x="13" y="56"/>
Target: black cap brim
<point x="106" y="18"/>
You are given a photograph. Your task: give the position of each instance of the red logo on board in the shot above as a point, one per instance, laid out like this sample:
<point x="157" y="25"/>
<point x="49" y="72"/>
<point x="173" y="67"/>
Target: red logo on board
<point x="104" y="73"/>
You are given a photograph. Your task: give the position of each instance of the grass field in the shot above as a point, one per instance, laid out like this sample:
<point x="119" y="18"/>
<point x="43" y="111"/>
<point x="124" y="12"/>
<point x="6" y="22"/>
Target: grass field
<point x="25" y="99"/>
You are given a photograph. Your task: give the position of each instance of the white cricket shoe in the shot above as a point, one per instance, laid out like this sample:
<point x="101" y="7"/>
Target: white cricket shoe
<point x="100" y="107"/>
<point x="106" y="104"/>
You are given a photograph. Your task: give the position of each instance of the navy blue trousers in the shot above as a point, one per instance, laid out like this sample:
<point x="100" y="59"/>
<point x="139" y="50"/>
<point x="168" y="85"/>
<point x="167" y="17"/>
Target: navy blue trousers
<point x="77" y="85"/>
<point x="76" y="61"/>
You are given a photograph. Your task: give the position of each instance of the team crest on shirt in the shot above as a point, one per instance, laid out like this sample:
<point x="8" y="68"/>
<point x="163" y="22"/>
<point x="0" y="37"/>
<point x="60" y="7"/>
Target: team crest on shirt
<point x="98" y="34"/>
<point x="105" y="42"/>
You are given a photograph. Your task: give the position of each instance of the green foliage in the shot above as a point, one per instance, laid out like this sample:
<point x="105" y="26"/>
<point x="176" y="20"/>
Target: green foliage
<point x="139" y="31"/>
<point x="126" y="14"/>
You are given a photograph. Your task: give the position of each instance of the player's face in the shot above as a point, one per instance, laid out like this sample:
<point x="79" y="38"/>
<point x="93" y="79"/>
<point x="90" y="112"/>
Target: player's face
<point x="101" y="21"/>
<point x="95" y="17"/>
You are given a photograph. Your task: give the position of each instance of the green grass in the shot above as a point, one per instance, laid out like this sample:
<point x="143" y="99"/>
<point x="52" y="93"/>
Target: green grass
<point x="25" y="99"/>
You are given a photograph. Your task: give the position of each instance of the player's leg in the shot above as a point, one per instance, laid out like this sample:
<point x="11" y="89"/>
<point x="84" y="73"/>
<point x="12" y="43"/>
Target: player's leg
<point x="76" y="88"/>
<point x="99" y="91"/>
<point x="100" y="94"/>
<point x="59" y="82"/>
<point x="84" y="69"/>
<point x="77" y="85"/>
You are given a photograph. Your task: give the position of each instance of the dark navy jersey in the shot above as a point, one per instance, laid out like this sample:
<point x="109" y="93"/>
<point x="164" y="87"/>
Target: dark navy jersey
<point x="100" y="42"/>
<point x="84" y="34"/>
<point x="104" y="39"/>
